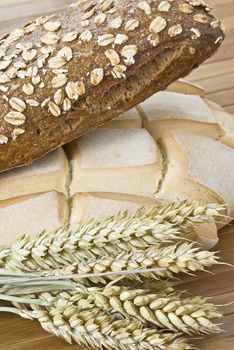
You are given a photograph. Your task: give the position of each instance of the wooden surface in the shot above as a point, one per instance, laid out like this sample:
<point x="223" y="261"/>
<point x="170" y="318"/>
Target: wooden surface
<point x="217" y="77"/>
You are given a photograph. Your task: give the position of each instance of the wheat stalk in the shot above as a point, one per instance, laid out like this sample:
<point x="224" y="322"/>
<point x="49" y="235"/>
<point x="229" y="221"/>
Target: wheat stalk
<point x="125" y="232"/>
<point x="95" y="329"/>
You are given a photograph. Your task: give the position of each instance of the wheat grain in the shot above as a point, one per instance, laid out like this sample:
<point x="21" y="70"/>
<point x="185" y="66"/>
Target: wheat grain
<point x="170" y="311"/>
<point x="124" y="232"/>
<point x="174" y="259"/>
<point x="95" y="329"/>
<point x="165" y="309"/>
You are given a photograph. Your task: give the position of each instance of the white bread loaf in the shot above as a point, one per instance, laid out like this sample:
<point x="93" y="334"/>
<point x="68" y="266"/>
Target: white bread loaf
<point x="120" y="167"/>
<point x="31" y="215"/>
<point x="116" y="160"/>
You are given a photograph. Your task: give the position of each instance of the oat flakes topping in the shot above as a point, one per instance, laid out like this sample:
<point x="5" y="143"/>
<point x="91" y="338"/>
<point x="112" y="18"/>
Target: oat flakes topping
<point x="5" y="64"/>
<point x="86" y="36"/>
<point x="87" y="15"/>
<point x="59" y="81"/>
<point x="154" y="39"/>
<point x="200" y="18"/>
<point x="175" y="30"/>
<point x="56" y="62"/>
<point x="118" y="71"/>
<point x="100" y="19"/>
<point x="32" y="71"/>
<point x="131" y="25"/>
<point x="80" y="86"/>
<point x="59" y="97"/>
<point x="164" y="6"/>
<point x="17" y="104"/>
<point x="50" y="38"/>
<point x="106" y="5"/>
<point x="3" y="139"/>
<point x="28" y="89"/>
<point x="218" y="40"/>
<point x="32" y="103"/>
<point x="106" y="39"/>
<point x="116" y="23"/>
<point x="197" y="3"/>
<point x="15" y="118"/>
<point x="66" y="53"/>
<point x="36" y="80"/>
<point x="72" y="91"/>
<point x="128" y="52"/>
<point x="97" y="76"/>
<point x="157" y="25"/>
<point x="113" y="56"/>
<point x="120" y="39"/>
<point x="17" y="132"/>
<point x="29" y="55"/>
<point x="143" y="5"/>
<point x="52" y="26"/>
<point x="69" y="37"/>
<point x="186" y="8"/>
<point x="195" y="33"/>
<point x="54" y="109"/>
<point x="67" y="105"/>
<point x="84" y="23"/>
<point x="4" y="79"/>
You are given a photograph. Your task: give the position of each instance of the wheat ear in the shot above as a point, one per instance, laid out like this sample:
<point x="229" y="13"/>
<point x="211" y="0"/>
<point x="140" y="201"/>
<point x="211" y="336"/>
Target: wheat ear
<point x="93" y="328"/>
<point x="165" y="309"/>
<point x="187" y="213"/>
<point x="124" y="232"/>
<point x="173" y="259"/>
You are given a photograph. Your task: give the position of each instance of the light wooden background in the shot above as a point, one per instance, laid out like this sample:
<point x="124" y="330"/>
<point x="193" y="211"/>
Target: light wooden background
<point x="217" y="77"/>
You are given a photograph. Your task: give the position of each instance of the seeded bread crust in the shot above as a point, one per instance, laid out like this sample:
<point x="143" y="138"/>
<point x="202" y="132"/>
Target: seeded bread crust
<point x="63" y="75"/>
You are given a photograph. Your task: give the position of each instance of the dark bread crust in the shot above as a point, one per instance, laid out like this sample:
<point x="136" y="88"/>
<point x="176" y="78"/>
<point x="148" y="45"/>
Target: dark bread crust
<point x="150" y="69"/>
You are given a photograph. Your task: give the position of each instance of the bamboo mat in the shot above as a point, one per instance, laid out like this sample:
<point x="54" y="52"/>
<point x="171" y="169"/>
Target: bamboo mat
<point x="217" y="77"/>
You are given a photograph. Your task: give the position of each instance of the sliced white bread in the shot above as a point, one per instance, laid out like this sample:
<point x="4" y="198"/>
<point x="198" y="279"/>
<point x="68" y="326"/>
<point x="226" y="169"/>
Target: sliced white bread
<point x="130" y="119"/>
<point x="167" y="111"/>
<point x="31" y="215"/>
<point x="46" y="174"/>
<point x="197" y="167"/>
<point x="116" y="160"/>
<point x="87" y="206"/>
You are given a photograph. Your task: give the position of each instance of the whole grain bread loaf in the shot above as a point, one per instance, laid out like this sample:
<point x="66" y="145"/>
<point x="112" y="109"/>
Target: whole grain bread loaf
<point x="63" y="75"/>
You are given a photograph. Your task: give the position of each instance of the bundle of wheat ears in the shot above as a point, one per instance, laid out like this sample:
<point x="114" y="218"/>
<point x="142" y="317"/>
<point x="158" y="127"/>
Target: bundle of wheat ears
<point x="91" y="284"/>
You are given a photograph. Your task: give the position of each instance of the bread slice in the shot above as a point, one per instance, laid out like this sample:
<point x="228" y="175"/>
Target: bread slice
<point x="116" y="160"/>
<point x="197" y="167"/>
<point x="31" y="215"/>
<point x="87" y="206"/>
<point x="166" y="111"/>
<point x="182" y="86"/>
<point x="128" y="120"/>
<point x="46" y="174"/>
